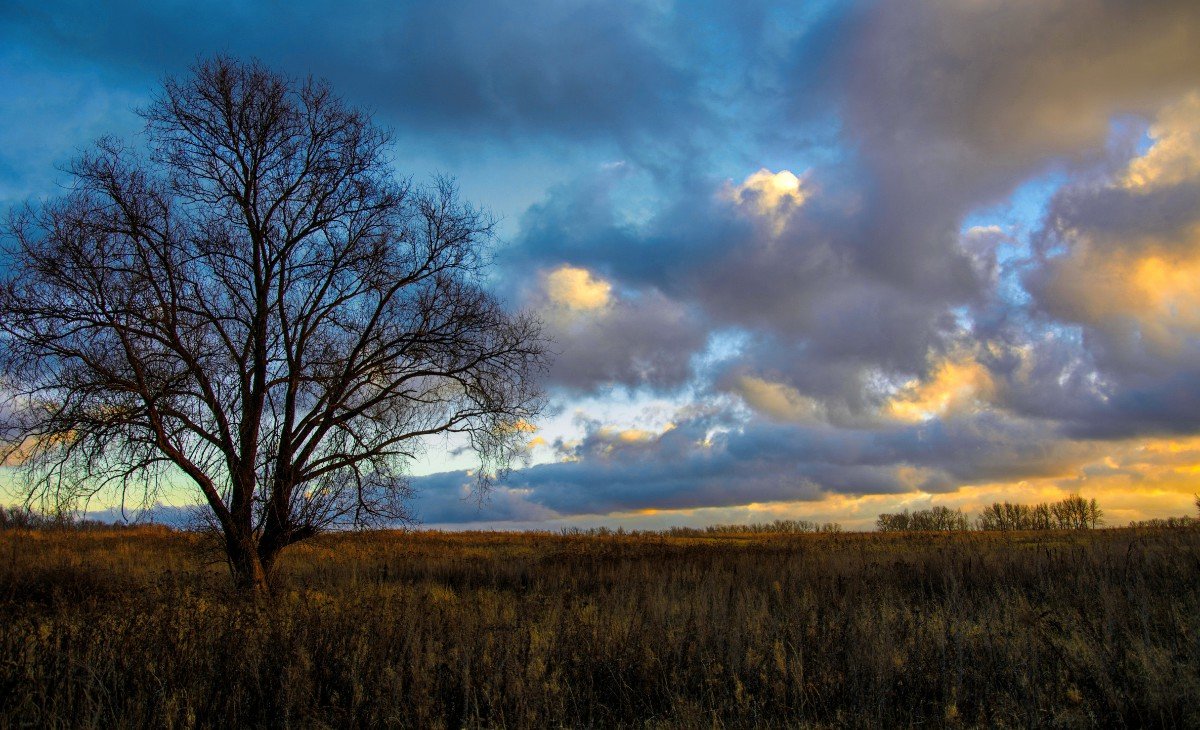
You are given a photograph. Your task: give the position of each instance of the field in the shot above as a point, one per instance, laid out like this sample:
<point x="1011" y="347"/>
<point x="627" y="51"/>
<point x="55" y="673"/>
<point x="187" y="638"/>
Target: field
<point x="139" y="627"/>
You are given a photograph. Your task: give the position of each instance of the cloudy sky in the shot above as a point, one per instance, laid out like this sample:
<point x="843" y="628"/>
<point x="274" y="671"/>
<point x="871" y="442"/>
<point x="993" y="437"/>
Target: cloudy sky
<point x="802" y="259"/>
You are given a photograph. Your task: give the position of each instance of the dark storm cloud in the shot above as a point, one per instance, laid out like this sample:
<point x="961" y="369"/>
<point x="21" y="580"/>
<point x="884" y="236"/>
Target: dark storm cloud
<point x="452" y="497"/>
<point x="1073" y="384"/>
<point x="581" y="222"/>
<point x="672" y="471"/>
<point x="1005" y="84"/>
<point x="1118" y="217"/>
<point x="575" y="70"/>
<point x="1168" y="405"/>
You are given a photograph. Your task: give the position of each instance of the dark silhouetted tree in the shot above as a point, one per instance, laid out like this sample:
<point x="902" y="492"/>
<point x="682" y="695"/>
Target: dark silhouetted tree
<point x="1076" y="513"/>
<point x="1005" y="516"/>
<point x="1071" y="513"/>
<point x="256" y="306"/>
<point x="1009" y="516"/>
<point x="923" y="520"/>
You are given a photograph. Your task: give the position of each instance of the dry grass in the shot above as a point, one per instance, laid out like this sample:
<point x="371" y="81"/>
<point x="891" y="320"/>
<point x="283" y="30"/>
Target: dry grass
<point x="125" y="628"/>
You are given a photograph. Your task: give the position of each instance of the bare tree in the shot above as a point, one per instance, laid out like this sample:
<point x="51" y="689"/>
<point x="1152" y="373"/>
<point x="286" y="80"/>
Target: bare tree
<point x="1076" y="513"/>
<point x="923" y="520"/>
<point x="257" y="307"/>
<point x="1006" y="516"/>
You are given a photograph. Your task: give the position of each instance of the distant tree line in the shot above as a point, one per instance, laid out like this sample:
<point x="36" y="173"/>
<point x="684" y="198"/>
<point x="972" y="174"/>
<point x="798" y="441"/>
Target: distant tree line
<point x="784" y="527"/>
<point x="777" y="527"/>
<point x="24" y="518"/>
<point x="1072" y="513"/>
<point x="1173" y="522"/>
<point x="922" y="520"/>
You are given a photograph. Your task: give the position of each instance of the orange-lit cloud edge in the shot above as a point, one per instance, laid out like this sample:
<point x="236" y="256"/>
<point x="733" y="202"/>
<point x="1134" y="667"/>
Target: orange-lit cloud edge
<point x="1134" y="480"/>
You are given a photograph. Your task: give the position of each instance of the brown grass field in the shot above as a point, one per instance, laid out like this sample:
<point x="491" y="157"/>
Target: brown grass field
<point x="133" y="628"/>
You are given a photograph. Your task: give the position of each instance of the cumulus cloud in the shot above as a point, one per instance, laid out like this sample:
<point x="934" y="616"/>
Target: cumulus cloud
<point x="1175" y="155"/>
<point x="776" y="400"/>
<point x="603" y="339"/>
<point x="765" y="192"/>
<point x="768" y="196"/>
<point x="812" y="280"/>
<point x="573" y="288"/>
<point x="1119" y="258"/>
<point x="954" y="386"/>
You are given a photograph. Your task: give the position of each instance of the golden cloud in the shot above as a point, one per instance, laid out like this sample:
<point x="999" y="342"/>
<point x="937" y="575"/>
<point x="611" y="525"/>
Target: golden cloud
<point x="955" y="385"/>
<point x="1141" y="286"/>
<point x="576" y="289"/>
<point x="631" y="435"/>
<point x="1132" y="480"/>
<point x="768" y="195"/>
<point x="1155" y="291"/>
<point x="1175" y="155"/>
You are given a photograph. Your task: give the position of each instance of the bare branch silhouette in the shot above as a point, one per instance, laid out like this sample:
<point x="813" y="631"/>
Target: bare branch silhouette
<point x="260" y="305"/>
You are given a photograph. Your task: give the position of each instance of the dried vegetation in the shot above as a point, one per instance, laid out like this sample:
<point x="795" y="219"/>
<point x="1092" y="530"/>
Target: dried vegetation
<point x="1081" y="628"/>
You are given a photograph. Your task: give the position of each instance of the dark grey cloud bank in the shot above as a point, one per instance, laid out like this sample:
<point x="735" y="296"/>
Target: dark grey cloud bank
<point x="576" y="70"/>
<point x="691" y="466"/>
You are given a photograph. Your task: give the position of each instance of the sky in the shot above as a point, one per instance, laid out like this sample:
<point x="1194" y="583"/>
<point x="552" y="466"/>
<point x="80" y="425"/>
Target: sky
<point x="815" y="260"/>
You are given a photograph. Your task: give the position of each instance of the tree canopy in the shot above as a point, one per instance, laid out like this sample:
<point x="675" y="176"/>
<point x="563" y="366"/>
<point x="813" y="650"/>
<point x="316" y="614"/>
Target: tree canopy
<point x="253" y="302"/>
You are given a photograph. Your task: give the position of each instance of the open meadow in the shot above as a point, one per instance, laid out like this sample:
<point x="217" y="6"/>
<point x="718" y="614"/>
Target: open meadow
<point x="137" y="627"/>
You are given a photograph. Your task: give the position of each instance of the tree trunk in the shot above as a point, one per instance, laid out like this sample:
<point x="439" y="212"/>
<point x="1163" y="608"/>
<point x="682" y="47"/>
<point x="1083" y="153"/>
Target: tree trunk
<point x="250" y="575"/>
